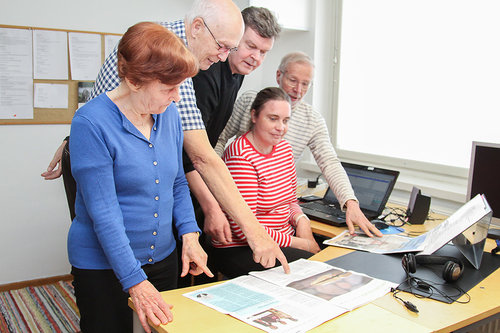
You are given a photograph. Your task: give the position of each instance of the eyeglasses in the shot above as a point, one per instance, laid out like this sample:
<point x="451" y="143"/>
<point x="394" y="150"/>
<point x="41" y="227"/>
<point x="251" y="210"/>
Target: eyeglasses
<point x="292" y="82"/>
<point x="222" y="48"/>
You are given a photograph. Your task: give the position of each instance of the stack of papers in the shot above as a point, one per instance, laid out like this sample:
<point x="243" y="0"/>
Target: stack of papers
<point x="314" y="292"/>
<point x="428" y="243"/>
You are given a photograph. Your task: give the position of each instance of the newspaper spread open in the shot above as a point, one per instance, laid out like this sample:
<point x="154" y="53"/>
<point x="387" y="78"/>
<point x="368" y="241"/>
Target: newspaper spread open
<point x="314" y="292"/>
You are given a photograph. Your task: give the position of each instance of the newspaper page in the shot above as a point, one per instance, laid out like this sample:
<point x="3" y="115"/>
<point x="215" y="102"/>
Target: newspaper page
<point x="427" y="243"/>
<point x="346" y="289"/>
<point x="381" y="245"/>
<point x="277" y="302"/>
<point x="458" y="222"/>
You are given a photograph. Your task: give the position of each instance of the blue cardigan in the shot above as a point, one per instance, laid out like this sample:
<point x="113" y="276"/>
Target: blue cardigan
<point x="130" y="191"/>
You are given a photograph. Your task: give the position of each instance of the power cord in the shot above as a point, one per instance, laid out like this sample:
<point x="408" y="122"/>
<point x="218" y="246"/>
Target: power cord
<point x="398" y="217"/>
<point x="395" y="216"/>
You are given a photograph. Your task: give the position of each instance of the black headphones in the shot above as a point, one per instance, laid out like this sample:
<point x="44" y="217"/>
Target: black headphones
<point x="452" y="269"/>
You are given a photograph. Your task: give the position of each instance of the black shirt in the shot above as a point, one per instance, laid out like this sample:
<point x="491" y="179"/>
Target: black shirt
<point x="216" y="89"/>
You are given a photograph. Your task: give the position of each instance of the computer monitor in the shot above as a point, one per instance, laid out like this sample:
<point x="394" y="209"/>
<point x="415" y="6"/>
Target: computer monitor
<point x="484" y="178"/>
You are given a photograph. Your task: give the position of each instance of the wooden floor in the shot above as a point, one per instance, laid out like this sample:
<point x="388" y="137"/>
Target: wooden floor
<point x="35" y="283"/>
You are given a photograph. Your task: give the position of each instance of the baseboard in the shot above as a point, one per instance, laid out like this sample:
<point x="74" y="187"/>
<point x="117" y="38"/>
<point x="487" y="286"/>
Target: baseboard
<point x="36" y="282"/>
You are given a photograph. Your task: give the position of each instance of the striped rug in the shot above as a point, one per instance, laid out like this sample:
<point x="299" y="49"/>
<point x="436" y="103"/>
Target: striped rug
<point x="47" y="308"/>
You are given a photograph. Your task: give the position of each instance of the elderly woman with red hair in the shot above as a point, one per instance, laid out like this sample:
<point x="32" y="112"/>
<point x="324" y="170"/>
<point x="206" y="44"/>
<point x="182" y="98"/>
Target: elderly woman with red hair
<point x="132" y="197"/>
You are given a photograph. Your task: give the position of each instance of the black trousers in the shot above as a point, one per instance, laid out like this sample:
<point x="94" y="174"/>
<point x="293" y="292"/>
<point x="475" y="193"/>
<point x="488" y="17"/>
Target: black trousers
<point x="237" y="261"/>
<point x="103" y="304"/>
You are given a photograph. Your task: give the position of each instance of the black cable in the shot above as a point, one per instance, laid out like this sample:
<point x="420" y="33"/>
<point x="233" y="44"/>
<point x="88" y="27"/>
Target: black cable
<point x="396" y="217"/>
<point x="429" y="287"/>
<point x="409" y="305"/>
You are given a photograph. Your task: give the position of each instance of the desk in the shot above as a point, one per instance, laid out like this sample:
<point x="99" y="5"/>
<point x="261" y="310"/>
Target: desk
<point x="382" y="315"/>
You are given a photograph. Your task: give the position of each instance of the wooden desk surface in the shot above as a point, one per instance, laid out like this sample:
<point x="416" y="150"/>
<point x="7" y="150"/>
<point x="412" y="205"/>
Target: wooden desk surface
<point x="190" y="316"/>
<point x="385" y="314"/>
<point x="484" y="297"/>
<point x="484" y="301"/>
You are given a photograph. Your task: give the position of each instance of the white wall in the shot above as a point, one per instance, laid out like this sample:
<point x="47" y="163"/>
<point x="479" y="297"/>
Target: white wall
<point x="34" y="217"/>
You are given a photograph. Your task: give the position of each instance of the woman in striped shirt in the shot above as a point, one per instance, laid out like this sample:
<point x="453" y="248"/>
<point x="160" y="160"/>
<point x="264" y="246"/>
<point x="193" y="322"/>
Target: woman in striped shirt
<point x="263" y="168"/>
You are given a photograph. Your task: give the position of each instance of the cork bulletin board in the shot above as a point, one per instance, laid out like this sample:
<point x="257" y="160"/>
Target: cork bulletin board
<point x="57" y="115"/>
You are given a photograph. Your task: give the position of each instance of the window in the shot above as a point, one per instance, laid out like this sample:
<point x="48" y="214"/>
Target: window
<point x="418" y="80"/>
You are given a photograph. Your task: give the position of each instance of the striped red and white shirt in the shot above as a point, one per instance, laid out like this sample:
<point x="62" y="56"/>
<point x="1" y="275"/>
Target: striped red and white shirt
<point x="268" y="184"/>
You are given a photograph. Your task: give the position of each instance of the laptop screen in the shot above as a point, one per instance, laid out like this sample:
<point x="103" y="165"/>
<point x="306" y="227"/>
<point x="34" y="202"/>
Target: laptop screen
<point x="372" y="186"/>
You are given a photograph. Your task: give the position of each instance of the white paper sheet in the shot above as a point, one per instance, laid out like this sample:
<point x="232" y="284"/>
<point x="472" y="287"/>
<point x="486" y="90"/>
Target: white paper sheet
<point x="50" y="95"/>
<point x="85" y="55"/>
<point x="110" y="42"/>
<point x="50" y="52"/>
<point x="16" y="74"/>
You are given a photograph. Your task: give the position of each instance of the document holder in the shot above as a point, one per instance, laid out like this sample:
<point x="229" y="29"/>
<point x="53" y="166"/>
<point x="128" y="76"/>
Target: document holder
<point x="471" y="241"/>
<point x="418" y="207"/>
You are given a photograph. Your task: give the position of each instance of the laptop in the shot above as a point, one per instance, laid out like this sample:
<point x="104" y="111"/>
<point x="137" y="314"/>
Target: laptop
<point x="372" y="187"/>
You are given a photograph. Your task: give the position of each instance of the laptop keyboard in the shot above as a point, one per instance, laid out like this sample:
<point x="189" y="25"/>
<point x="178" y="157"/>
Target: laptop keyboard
<point x="325" y="209"/>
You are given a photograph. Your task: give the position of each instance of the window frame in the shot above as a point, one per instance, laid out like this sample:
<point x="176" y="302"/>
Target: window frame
<point x="447" y="185"/>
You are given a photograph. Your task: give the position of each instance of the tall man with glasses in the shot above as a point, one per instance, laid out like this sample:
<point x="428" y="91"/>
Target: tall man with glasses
<point x="216" y="90"/>
<point x="222" y="47"/>
<point x="226" y="30"/>
<point x="306" y="128"/>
